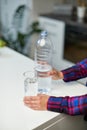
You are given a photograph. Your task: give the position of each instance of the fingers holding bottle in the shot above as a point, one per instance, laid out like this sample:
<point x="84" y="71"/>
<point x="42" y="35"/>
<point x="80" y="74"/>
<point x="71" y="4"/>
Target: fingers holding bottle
<point x="56" y="74"/>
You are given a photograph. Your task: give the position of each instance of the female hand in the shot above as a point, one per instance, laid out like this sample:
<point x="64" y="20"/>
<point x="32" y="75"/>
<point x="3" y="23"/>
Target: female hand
<point x="38" y="102"/>
<point x="56" y="74"/>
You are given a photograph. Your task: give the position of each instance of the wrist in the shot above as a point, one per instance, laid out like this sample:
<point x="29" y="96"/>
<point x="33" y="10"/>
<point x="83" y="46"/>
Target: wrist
<point x="61" y="75"/>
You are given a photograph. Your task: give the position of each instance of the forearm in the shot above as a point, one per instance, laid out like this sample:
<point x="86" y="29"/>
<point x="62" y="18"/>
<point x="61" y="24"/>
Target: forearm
<point x="72" y="74"/>
<point x="75" y="72"/>
<point x="69" y="105"/>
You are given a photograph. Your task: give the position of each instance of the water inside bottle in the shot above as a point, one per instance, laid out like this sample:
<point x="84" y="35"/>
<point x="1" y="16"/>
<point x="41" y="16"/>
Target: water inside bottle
<point x="44" y="80"/>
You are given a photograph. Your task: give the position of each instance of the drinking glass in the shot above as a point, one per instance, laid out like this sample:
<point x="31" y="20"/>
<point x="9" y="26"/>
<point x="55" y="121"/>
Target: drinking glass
<point x="30" y="83"/>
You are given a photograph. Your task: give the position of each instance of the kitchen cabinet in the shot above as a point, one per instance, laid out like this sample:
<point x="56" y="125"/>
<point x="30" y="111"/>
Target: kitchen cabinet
<point x="56" y="31"/>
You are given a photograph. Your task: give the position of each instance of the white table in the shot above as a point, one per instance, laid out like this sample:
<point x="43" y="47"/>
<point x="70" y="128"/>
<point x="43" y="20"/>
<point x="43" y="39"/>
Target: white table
<point x="13" y="114"/>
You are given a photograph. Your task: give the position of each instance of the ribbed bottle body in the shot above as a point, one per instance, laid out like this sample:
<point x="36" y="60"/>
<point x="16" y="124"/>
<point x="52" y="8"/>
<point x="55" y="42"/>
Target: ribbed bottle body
<point x="43" y="59"/>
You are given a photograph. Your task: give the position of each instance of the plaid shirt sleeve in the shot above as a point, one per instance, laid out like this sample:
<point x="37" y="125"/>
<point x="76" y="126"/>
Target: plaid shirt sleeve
<point x="70" y="105"/>
<point x="76" y="72"/>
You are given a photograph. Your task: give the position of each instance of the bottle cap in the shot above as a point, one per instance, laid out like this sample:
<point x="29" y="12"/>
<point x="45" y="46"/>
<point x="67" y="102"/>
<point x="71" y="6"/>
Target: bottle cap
<point x="44" y="33"/>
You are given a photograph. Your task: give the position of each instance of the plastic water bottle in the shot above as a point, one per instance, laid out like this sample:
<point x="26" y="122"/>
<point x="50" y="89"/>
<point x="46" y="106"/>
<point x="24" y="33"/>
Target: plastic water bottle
<point x="43" y="61"/>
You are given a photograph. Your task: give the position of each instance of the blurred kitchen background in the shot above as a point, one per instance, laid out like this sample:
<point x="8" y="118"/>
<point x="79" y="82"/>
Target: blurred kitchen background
<point x="21" y="22"/>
